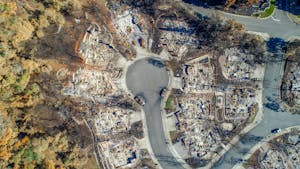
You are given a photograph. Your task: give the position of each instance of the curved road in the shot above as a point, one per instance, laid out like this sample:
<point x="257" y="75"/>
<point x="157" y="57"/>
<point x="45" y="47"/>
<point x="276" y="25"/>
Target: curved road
<point x="144" y="79"/>
<point x="278" y="25"/>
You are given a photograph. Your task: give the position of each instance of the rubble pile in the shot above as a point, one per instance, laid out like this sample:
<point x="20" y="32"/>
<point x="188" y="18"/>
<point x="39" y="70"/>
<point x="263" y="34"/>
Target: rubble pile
<point x="100" y="80"/>
<point x="122" y="154"/>
<point x="112" y="120"/>
<point x="95" y="48"/>
<point x="207" y="114"/>
<point x="90" y="84"/>
<point x="240" y="105"/>
<point x="196" y="107"/>
<point x="202" y="141"/>
<point x="176" y="37"/>
<point x="238" y="65"/>
<point x="199" y="138"/>
<point x="130" y="24"/>
<point x="291" y="85"/>
<point x="198" y="77"/>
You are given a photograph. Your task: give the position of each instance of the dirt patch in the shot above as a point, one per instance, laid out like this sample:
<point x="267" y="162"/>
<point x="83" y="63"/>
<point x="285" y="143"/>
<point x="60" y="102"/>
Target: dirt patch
<point x="137" y="130"/>
<point x="175" y="136"/>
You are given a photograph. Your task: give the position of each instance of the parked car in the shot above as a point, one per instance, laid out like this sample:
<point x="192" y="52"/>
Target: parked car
<point x="156" y="63"/>
<point x="277" y="130"/>
<point x="273" y="106"/>
<point x="140" y="100"/>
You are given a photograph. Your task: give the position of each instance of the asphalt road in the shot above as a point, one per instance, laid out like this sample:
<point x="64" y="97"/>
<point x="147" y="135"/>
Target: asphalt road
<point x="279" y="25"/>
<point x="147" y="80"/>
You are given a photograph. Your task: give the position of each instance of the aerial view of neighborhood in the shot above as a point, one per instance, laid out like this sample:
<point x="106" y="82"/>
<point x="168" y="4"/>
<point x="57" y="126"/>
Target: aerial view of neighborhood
<point x="149" y="84"/>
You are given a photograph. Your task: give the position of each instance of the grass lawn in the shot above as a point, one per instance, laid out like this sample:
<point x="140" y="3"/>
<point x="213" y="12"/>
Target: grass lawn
<point x="169" y="104"/>
<point x="268" y="11"/>
<point x="298" y="16"/>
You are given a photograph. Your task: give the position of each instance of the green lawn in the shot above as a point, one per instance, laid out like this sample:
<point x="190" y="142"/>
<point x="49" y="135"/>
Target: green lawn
<point x="3" y="7"/>
<point x="268" y="11"/>
<point x="298" y="16"/>
<point x="169" y="104"/>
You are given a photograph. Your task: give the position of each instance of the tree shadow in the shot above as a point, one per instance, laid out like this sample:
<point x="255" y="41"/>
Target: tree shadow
<point x="291" y="6"/>
<point x="276" y="45"/>
<point x="277" y="48"/>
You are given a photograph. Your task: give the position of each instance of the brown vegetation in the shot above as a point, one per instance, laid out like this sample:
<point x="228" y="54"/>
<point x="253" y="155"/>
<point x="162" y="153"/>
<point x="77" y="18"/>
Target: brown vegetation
<point x="36" y="39"/>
